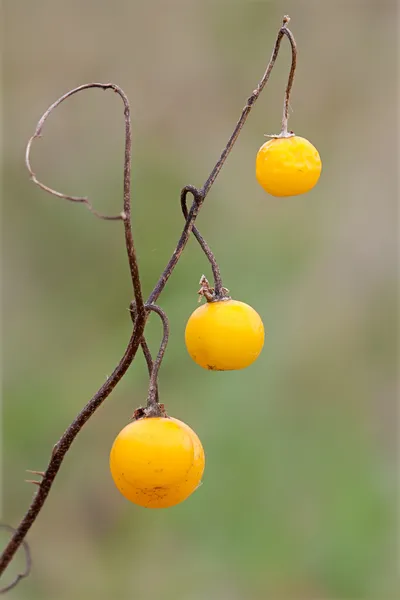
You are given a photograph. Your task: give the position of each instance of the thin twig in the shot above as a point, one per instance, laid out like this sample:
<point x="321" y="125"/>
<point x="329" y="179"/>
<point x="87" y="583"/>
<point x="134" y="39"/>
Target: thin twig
<point x="144" y="345"/>
<point x="38" y="134"/>
<point x="62" y="447"/>
<point x="153" y="366"/>
<point x="28" y="563"/>
<point x="66" y="440"/>
<point x="147" y="355"/>
<point x="125" y="215"/>
<point x="153" y="386"/>
<point x="200" y="194"/>
<point x="64" y="444"/>
<point x="218" y="286"/>
<point x="289" y="35"/>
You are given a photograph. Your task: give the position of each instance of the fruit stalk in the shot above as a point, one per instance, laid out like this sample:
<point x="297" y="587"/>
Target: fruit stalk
<point x="285" y="117"/>
<point x="153" y="387"/>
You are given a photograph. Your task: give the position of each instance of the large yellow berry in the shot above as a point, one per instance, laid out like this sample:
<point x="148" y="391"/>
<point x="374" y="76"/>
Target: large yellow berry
<point x="157" y="462"/>
<point x="288" y="166"/>
<point x="224" y="335"/>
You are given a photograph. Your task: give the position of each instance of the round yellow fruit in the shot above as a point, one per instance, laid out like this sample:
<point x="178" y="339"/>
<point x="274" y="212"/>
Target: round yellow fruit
<point x="288" y="166"/>
<point x="224" y="335"/>
<point x="157" y="462"/>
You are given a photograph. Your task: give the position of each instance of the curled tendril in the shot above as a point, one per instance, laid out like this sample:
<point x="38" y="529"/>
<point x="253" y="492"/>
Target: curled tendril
<point x="38" y="134"/>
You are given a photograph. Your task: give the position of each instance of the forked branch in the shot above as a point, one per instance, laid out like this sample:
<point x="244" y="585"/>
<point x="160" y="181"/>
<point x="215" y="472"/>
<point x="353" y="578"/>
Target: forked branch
<point x="141" y="308"/>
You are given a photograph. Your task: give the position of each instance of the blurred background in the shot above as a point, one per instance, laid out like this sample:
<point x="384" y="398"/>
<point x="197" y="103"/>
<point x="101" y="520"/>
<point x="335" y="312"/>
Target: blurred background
<point x="298" y="500"/>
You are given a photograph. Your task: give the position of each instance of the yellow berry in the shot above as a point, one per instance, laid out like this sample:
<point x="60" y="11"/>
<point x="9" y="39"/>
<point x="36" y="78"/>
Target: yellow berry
<point x="288" y="166"/>
<point x="224" y="335"/>
<point x="157" y="462"/>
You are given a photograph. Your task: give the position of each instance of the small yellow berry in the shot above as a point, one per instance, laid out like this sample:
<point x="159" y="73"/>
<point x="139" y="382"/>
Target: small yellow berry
<point x="224" y="335"/>
<point x="157" y="462"/>
<point x="288" y="166"/>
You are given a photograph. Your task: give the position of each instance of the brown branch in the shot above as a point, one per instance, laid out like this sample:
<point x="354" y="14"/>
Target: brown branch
<point x="153" y="386"/>
<point x="28" y="564"/>
<point x="200" y="194"/>
<point x="66" y="440"/>
<point x="218" y="286"/>
<point x="144" y="345"/>
<point x="62" y="447"/>
<point x="38" y="134"/>
<point x="292" y="41"/>
<point x="153" y="366"/>
<point x="147" y="355"/>
<point x="125" y="215"/>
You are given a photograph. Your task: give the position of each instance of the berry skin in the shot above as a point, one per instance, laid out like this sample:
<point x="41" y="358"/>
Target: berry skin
<point x="288" y="166"/>
<point x="157" y="462"/>
<point x="224" y="335"/>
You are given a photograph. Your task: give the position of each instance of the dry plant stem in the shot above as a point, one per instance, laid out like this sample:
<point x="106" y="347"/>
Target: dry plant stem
<point x="66" y="440"/>
<point x="38" y="134"/>
<point x="125" y="215"/>
<point x="153" y="387"/>
<point x="71" y="432"/>
<point x="200" y="194"/>
<point x="28" y="564"/>
<point x="63" y="445"/>
<point x="145" y="348"/>
<point x="285" y="117"/>
<point x="153" y="367"/>
<point x="147" y="355"/>
<point x="218" y="287"/>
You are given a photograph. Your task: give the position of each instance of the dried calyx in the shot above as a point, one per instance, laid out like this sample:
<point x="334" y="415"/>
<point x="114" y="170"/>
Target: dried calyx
<point x="282" y="134"/>
<point x="209" y="292"/>
<point x="153" y="410"/>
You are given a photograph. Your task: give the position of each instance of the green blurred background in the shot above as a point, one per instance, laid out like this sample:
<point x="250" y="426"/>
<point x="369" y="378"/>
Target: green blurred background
<point x="299" y="494"/>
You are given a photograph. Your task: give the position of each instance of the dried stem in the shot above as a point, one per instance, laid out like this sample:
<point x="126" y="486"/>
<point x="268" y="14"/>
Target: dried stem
<point x="125" y="215"/>
<point x="28" y="564"/>
<point x="63" y="445"/>
<point x="153" y="367"/>
<point x="66" y="440"/>
<point x="289" y="35"/>
<point x="147" y="355"/>
<point x="218" y="287"/>
<point x="200" y="194"/>
<point x="153" y="387"/>
<point x="38" y="134"/>
<point x="145" y="348"/>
